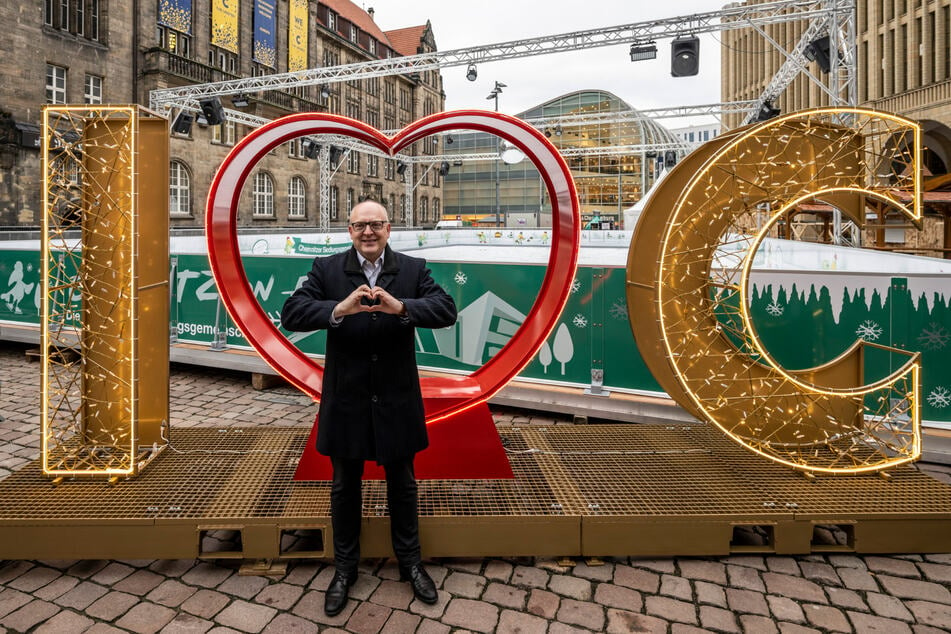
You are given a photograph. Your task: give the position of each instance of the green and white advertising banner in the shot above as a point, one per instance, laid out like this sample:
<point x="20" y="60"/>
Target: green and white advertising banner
<point x="805" y="317"/>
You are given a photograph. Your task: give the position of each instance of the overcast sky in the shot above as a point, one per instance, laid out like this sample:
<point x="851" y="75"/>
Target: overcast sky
<point x="534" y="80"/>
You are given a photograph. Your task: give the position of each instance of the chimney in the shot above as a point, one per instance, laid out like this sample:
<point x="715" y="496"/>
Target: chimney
<point x="370" y="12"/>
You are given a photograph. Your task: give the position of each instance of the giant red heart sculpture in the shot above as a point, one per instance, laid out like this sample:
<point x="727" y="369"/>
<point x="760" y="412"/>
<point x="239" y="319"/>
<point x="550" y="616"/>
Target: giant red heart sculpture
<point x="443" y="396"/>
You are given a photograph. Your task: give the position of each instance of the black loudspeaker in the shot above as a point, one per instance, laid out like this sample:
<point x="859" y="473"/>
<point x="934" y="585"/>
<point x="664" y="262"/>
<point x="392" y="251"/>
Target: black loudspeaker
<point x="819" y="51"/>
<point x="183" y="123"/>
<point x="685" y="56"/>
<point x="670" y="159"/>
<point x="444" y="168"/>
<point x="212" y="111"/>
<point x="311" y="149"/>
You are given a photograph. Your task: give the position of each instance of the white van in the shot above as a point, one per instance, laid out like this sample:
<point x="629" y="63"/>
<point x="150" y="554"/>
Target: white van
<point x="449" y="224"/>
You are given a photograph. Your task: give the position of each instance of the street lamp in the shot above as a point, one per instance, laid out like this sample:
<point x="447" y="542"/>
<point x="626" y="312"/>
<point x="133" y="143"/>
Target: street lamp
<point x="496" y="91"/>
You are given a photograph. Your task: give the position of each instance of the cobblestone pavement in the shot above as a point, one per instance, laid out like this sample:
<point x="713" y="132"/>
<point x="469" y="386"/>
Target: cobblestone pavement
<point x="830" y="593"/>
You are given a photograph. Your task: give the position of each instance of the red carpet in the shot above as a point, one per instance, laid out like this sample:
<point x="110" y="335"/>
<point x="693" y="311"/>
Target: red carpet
<point x="464" y="446"/>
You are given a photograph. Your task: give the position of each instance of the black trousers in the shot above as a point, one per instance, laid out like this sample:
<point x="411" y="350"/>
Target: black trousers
<point x="346" y="512"/>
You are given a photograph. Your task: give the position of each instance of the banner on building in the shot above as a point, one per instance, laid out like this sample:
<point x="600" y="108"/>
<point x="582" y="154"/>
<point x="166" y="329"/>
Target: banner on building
<point x="176" y="14"/>
<point x="297" y="25"/>
<point x="224" y="24"/>
<point x="265" y="49"/>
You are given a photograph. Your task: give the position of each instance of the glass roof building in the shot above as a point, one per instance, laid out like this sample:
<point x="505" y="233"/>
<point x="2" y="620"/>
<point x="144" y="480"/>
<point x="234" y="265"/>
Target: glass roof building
<point x="613" y="152"/>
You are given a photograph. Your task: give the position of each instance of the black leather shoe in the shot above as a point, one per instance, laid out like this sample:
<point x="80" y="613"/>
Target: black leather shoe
<point x="336" y="597"/>
<point x="423" y="585"/>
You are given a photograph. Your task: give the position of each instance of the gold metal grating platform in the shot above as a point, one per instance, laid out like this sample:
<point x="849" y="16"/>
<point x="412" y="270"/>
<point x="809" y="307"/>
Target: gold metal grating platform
<point x="598" y="490"/>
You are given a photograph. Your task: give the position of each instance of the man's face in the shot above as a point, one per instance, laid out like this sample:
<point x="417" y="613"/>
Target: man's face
<point x="368" y="242"/>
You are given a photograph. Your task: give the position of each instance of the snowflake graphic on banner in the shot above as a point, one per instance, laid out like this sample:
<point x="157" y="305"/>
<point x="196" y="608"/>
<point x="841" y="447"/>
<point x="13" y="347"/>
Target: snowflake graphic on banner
<point x="575" y="286"/>
<point x="934" y="337"/>
<point x="619" y="309"/>
<point x="869" y="330"/>
<point x="461" y="278"/>
<point x="580" y="321"/>
<point x="775" y="309"/>
<point x="940" y="397"/>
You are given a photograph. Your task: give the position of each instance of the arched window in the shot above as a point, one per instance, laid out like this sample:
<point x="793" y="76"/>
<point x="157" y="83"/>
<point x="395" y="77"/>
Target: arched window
<point x="179" y="190"/>
<point x="296" y="198"/>
<point x="263" y="195"/>
<point x="437" y="210"/>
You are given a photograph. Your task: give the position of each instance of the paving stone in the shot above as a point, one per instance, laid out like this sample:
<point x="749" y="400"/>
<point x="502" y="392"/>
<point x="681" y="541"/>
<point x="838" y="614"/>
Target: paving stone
<point x="66" y="621"/>
<point x="11" y="600"/>
<point x="888" y="607"/>
<point x="81" y="596"/>
<point x="847" y="561"/>
<point x="86" y="568"/>
<point x="603" y="572"/>
<point x="505" y="596"/>
<point x="718" y="619"/>
<point x="747" y="601"/>
<point x="843" y="598"/>
<point x="820" y="573"/>
<point x="112" y="573"/>
<point x="581" y="613"/>
<point x="302" y="573"/>
<point x="368" y="618"/>
<point x="185" y="623"/>
<point x="170" y="593"/>
<point x="434" y="611"/>
<point x="676" y="587"/>
<point x="393" y="594"/>
<point x="657" y="565"/>
<point x="927" y="629"/>
<point x="311" y="607"/>
<point x="756" y="624"/>
<point x="517" y="622"/>
<point x="429" y="626"/>
<point x="146" y="618"/>
<point x="400" y="622"/>
<point x="464" y="584"/>
<point x="13" y="570"/>
<point x="783" y="565"/>
<point x="56" y="588"/>
<point x="478" y="616"/>
<point x="745" y="577"/>
<point x="470" y="565"/>
<point x="915" y="589"/>
<point x="936" y="572"/>
<point x="206" y="575"/>
<point x="290" y="624"/>
<point x="928" y="613"/>
<point x="243" y="586"/>
<point x="793" y="587"/>
<point x="529" y="577"/>
<point x="712" y="571"/>
<point x="280" y="596"/>
<point x="795" y="628"/>
<point x="671" y="609"/>
<point x="624" y="622"/>
<point x="34" y="578"/>
<point x="543" y="603"/>
<point x="614" y="596"/>
<point x="893" y="566"/>
<point x="710" y="593"/>
<point x="940" y="558"/>
<point x="858" y="579"/>
<point x="25" y="617"/>
<point x="205" y="603"/>
<point x="498" y="570"/>
<point x="826" y="617"/>
<point x="139" y="582"/>
<point x="867" y="623"/>
<point x="563" y="628"/>
<point x="570" y="587"/>
<point x="636" y="578"/>
<point x="172" y="567"/>
<point x="111" y="605"/>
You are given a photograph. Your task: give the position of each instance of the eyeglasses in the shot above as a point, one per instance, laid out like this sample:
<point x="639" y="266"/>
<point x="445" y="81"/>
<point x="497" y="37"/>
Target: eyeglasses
<point x="375" y="226"/>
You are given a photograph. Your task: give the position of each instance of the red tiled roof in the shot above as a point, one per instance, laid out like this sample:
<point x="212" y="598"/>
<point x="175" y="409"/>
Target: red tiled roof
<point x="349" y="11"/>
<point x="406" y="41"/>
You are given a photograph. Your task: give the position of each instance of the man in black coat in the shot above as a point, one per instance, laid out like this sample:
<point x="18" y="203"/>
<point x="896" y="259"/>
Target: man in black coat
<point x="370" y="299"/>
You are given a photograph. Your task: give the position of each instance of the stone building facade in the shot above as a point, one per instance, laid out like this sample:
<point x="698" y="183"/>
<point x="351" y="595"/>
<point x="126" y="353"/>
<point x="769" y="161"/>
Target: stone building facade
<point x="903" y="67"/>
<point x="109" y="52"/>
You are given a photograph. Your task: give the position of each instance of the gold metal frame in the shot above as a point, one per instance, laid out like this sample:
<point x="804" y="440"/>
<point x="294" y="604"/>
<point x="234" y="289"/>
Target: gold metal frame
<point x="104" y="318"/>
<point x="689" y="272"/>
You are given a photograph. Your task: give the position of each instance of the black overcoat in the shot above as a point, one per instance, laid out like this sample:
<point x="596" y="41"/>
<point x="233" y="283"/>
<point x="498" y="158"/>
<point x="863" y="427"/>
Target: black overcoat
<point x="371" y="406"/>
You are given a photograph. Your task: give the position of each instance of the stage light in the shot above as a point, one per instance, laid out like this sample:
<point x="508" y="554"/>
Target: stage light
<point x="767" y="112"/>
<point x="325" y="92"/>
<point x="472" y="73"/>
<point x="311" y="149"/>
<point x="449" y="139"/>
<point x="818" y="51"/>
<point x="400" y="167"/>
<point x="240" y="100"/>
<point x="640" y="52"/>
<point x="444" y="168"/>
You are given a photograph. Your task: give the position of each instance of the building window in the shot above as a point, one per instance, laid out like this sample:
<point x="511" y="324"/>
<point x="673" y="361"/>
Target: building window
<point x="94" y="19"/>
<point x="372" y="46"/>
<point x="93" y="89"/>
<point x="402" y="208"/>
<point x="350" y="199"/>
<point x="224" y="134"/>
<point x="331" y="20"/>
<point x="353" y="162"/>
<point x="423" y="210"/>
<point x="354" y="35"/>
<point x="55" y="84"/>
<point x="81" y="17"/>
<point x="392" y="206"/>
<point x="373" y="166"/>
<point x="64" y="14"/>
<point x="179" y="190"/>
<point x="296" y="198"/>
<point x="263" y="195"/>
<point x="389" y="169"/>
<point x="48" y="11"/>
<point x="334" y="203"/>
<point x="437" y="210"/>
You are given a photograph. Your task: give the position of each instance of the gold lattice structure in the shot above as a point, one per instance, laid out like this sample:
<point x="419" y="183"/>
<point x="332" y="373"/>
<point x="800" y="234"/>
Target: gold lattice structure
<point x="689" y="284"/>
<point x="104" y="260"/>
